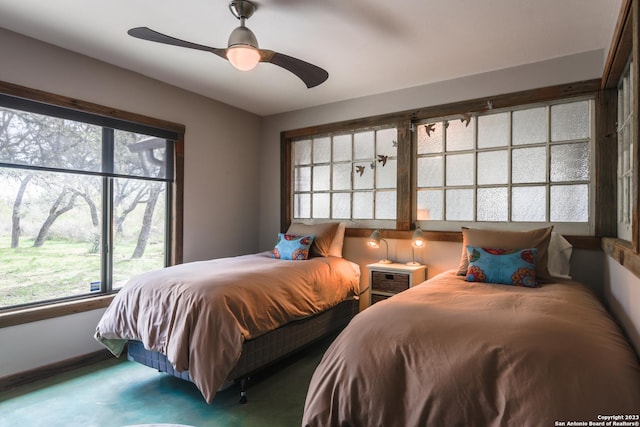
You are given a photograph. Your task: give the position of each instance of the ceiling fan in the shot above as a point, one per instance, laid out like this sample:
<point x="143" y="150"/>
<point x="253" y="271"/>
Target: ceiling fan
<point x="242" y="49"/>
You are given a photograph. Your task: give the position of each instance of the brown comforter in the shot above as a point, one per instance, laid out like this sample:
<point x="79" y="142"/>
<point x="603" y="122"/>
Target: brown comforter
<point x="452" y="353"/>
<point x="198" y="314"/>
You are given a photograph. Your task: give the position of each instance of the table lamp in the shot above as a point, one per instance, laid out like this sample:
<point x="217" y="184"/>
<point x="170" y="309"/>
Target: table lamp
<point x="374" y="242"/>
<point x="417" y="241"/>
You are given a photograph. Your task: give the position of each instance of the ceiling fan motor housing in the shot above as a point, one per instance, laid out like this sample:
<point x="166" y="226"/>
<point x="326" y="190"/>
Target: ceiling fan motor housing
<point x="242" y="36"/>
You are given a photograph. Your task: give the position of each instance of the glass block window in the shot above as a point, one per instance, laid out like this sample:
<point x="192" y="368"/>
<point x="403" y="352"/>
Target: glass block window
<point x="625" y="150"/>
<point x="520" y="166"/>
<point x="348" y="176"/>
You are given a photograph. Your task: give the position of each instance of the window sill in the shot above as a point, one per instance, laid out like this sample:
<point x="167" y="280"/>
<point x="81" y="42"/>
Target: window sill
<point x="50" y="311"/>
<point x="622" y="252"/>
<point x="578" y="242"/>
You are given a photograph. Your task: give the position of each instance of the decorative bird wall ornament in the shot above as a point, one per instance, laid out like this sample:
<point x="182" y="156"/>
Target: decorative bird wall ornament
<point x="394" y="143"/>
<point x="429" y="128"/>
<point x="360" y="170"/>
<point x="382" y="159"/>
<point x="466" y="119"/>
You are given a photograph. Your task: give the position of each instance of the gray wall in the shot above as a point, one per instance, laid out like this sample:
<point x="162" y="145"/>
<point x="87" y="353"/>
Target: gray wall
<point x="217" y="136"/>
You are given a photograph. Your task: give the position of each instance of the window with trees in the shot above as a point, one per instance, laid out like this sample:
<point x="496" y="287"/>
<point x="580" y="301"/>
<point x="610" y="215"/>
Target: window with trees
<point x="85" y="202"/>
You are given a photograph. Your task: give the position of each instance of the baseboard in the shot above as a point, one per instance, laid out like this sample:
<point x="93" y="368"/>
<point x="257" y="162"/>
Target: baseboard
<point x="47" y="371"/>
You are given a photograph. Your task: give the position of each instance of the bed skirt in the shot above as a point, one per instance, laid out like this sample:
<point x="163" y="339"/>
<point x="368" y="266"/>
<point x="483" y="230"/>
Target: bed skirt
<point x="266" y="349"/>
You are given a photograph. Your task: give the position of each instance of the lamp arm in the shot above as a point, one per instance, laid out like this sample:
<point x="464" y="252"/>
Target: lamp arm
<point x="387" y="246"/>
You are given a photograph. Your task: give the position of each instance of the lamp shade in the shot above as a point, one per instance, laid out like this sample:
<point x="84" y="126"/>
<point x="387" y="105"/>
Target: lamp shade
<point x="374" y="239"/>
<point x="417" y="241"/>
<point x="374" y="242"/>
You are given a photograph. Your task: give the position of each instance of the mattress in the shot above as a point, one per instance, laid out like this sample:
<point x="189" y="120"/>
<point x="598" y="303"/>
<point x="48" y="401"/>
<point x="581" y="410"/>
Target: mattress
<point x="266" y="349"/>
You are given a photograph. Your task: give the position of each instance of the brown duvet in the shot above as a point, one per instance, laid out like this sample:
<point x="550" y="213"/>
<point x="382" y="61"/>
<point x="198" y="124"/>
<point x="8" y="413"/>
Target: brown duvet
<point x="198" y="314"/>
<point x="452" y="353"/>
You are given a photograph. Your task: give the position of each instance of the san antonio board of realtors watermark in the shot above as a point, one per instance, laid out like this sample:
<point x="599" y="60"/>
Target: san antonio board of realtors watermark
<point x="605" y="421"/>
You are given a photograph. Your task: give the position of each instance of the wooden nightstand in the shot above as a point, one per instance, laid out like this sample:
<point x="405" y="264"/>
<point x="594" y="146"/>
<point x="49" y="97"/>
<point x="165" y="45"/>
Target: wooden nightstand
<point x="386" y="280"/>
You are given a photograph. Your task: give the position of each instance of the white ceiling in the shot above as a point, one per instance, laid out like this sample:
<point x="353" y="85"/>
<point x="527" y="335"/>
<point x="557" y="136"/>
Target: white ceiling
<point x="367" y="46"/>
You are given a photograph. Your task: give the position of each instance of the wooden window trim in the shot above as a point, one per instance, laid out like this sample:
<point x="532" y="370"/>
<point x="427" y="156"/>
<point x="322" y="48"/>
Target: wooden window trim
<point x="52" y="310"/>
<point x="635" y="101"/>
<point x="620" y="49"/>
<point x="12" y="317"/>
<point x="623" y="253"/>
<point x="578" y="242"/>
<point x="606" y="163"/>
<point x="87" y="107"/>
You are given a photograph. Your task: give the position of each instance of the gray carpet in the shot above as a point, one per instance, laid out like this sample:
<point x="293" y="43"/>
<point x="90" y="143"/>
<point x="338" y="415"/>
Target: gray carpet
<point x="117" y="393"/>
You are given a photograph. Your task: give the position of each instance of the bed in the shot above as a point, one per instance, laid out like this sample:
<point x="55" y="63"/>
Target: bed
<point x="473" y="353"/>
<point x="212" y="322"/>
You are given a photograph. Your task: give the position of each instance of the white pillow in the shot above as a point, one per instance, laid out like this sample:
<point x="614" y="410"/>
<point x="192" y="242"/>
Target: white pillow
<point x="559" y="256"/>
<point x="338" y="240"/>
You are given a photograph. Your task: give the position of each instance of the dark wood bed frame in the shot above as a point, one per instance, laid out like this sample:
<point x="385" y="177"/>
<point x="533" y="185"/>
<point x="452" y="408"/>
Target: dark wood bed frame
<point x="264" y="350"/>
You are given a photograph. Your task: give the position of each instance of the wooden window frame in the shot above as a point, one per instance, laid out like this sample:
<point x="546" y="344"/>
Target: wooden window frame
<point x="604" y="213"/>
<point x="625" y="44"/>
<point x="371" y="164"/>
<point x="47" y="310"/>
<point x="586" y="228"/>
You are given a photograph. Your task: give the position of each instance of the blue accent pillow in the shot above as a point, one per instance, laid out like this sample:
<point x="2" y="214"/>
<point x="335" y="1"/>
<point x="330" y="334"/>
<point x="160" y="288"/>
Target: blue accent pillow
<point x="292" y="247"/>
<point x="504" y="266"/>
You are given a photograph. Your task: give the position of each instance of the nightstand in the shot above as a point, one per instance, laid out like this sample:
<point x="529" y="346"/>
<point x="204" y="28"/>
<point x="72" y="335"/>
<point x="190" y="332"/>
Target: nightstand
<point x="386" y="280"/>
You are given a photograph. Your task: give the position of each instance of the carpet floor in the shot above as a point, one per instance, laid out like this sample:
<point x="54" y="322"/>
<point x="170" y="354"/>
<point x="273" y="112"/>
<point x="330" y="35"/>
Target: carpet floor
<point x="116" y="393"/>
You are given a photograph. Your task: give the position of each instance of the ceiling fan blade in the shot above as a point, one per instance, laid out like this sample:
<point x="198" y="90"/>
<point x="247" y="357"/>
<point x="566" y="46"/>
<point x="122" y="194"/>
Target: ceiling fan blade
<point x="310" y="74"/>
<point x="145" y="33"/>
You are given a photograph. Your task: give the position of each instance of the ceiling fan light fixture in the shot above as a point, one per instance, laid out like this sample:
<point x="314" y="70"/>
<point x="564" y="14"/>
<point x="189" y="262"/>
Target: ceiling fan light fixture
<point x="242" y="49"/>
<point x="243" y="57"/>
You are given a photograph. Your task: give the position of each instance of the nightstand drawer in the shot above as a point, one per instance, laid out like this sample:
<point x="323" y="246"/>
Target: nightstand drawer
<point x="389" y="282"/>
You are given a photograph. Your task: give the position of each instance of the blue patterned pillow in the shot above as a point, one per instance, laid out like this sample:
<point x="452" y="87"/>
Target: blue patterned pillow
<point x="504" y="266"/>
<point x="292" y="247"/>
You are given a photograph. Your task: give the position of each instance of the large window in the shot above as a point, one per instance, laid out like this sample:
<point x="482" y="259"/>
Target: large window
<point x="528" y="165"/>
<point x="520" y="160"/>
<point x="84" y="202"/>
